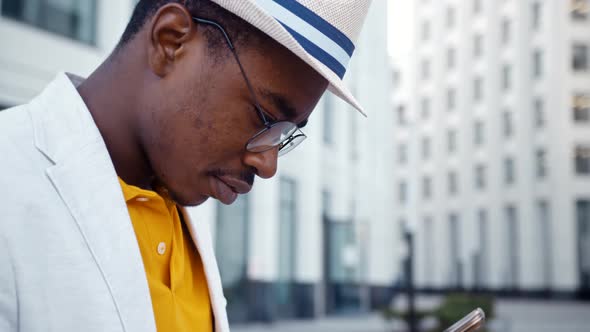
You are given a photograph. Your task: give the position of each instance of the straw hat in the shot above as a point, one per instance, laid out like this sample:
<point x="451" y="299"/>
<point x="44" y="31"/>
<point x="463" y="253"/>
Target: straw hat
<point x="320" y="32"/>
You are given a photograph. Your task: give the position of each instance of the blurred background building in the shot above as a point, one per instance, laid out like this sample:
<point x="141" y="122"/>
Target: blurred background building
<point x="41" y="37"/>
<point x="492" y="141"/>
<point x="477" y="142"/>
<point x="317" y="239"/>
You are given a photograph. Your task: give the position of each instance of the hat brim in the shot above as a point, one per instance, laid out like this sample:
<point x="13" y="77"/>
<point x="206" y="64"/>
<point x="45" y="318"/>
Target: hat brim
<point x="250" y="12"/>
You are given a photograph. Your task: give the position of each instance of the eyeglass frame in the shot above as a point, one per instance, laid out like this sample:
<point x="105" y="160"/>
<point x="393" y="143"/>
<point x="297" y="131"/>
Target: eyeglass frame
<point x="297" y="133"/>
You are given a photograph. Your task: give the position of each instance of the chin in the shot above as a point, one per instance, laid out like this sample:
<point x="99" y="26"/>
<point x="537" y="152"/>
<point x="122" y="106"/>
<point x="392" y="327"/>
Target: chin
<point x="192" y="201"/>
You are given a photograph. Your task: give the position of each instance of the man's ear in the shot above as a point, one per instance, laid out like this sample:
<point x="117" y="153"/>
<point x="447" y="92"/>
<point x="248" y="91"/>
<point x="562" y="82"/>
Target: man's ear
<point x="169" y="31"/>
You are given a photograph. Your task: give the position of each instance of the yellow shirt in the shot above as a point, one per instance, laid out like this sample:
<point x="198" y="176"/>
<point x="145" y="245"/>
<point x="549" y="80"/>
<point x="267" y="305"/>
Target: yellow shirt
<point x="173" y="267"/>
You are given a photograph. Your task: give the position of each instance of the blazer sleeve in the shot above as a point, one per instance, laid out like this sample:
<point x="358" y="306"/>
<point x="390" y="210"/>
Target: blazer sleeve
<point x="8" y="301"/>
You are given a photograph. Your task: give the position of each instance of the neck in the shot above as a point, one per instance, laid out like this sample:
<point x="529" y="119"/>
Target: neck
<point x="110" y="94"/>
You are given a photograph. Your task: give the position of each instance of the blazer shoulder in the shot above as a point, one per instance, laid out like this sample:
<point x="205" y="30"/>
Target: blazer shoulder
<point x="22" y="169"/>
<point x="16" y="127"/>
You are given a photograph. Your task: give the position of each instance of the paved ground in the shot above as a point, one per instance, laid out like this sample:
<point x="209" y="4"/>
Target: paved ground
<point x="539" y="316"/>
<point x="368" y="323"/>
<point x="513" y="316"/>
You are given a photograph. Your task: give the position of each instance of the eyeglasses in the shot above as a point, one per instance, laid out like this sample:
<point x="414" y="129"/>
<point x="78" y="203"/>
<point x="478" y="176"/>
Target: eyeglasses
<point x="285" y="135"/>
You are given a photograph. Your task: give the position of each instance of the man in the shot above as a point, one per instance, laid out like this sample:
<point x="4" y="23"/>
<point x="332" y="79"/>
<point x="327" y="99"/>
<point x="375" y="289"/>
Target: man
<point x="197" y="99"/>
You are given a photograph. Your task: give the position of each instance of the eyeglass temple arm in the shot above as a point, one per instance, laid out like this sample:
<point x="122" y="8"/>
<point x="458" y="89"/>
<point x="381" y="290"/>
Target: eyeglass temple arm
<point x="233" y="50"/>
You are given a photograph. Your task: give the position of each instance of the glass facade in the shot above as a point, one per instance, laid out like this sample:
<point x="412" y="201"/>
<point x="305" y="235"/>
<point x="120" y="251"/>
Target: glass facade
<point x="543" y="216"/>
<point x="287" y="246"/>
<point x="512" y="252"/>
<point x="231" y="248"/>
<point x="428" y="250"/>
<point x="583" y="215"/>
<point x="456" y="268"/>
<point x="483" y="253"/>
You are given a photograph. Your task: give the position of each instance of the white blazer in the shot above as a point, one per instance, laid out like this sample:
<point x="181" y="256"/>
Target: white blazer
<point x="69" y="259"/>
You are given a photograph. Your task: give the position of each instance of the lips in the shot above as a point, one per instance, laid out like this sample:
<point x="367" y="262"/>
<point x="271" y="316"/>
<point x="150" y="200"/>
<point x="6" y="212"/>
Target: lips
<point x="236" y="185"/>
<point x="226" y="189"/>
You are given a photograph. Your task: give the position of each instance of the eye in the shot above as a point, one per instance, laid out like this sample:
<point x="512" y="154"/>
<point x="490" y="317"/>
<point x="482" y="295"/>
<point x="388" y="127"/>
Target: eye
<point x="267" y="114"/>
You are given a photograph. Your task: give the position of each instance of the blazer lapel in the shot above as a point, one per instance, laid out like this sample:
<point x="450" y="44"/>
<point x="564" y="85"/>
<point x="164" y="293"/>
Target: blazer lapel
<point x="86" y="180"/>
<point x="201" y="235"/>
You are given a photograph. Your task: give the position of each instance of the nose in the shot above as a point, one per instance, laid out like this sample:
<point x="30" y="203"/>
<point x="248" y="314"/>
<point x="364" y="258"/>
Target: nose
<point x="265" y="162"/>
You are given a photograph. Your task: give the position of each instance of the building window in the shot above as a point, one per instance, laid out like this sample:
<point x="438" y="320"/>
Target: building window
<point x="425" y="148"/>
<point x="581" y="107"/>
<point x="509" y="170"/>
<point x="451" y="140"/>
<point x="478" y="89"/>
<point x="428" y="249"/>
<point x="512" y="252"/>
<point x="539" y="108"/>
<point x="71" y="19"/>
<point x="456" y="268"/>
<point x="583" y="233"/>
<point x="480" y="177"/>
<point x="482" y="255"/>
<point x="507" y="123"/>
<point x="425" y="69"/>
<point x="506" y="77"/>
<point x="452" y="182"/>
<point x="582" y="159"/>
<point x="425" y="107"/>
<point x="402" y="192"/>
<point x="425" y="30"/>
<point x="541" y="161"/>
<point x="580" y="57"/>
<point x="476" y="6"/>
<point x="478" y="132"/>
<point x="402" y="154"/>
<point x="426" y="187"/>
<point x="477" y="45"/>
<point x="545" y="250"/>
<point x="328" y="118"/>
<point x="580" y="9"/>
<point x="537" y="64"/>
<point x="451" y="58"/>
<point x="451" y="96"/>
<point x="401" y="115"/>
<point x="231" y="244"/>
<point x="287" y="237"/>
<point x="450" y="17"/>
<point x="536" y="13"/>
<point x="506" y="31"/>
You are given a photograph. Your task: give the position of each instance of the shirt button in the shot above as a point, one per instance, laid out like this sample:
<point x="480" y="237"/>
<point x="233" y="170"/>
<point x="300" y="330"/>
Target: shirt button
<point x="142" y="199"/>
<point x="161" y="248"/>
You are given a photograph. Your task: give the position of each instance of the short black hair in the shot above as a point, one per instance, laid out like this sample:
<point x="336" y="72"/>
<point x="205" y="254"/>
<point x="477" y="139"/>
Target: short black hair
<point x="239" y="30"/>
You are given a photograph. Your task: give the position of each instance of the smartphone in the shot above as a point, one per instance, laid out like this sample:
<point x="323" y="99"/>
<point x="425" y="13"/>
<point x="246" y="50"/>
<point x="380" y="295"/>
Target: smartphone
<point x="472" y="322"/>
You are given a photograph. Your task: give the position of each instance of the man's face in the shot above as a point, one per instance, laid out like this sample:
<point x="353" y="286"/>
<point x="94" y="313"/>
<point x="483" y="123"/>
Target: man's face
<point x="198" y="118"/>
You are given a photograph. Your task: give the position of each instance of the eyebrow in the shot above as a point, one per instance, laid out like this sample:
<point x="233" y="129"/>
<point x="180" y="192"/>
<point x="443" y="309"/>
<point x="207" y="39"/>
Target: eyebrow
<point x="281" y="103"/>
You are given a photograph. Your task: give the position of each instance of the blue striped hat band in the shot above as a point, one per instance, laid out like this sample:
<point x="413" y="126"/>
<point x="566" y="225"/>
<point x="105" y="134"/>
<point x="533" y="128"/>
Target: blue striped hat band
<point x="317" y="36"/>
